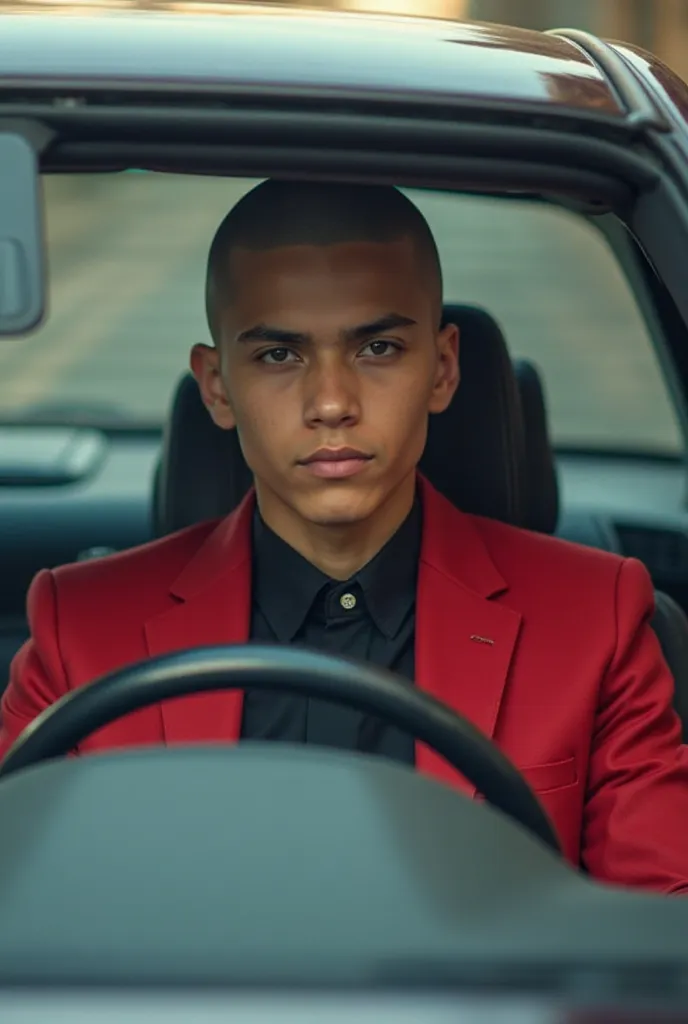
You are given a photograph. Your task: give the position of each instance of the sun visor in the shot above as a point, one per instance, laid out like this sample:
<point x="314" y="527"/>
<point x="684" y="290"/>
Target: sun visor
<point x="22" y="261"/>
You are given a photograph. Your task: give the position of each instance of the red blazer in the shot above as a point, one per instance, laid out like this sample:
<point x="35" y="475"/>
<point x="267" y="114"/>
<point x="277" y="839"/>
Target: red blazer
<point x="573" y="688"/>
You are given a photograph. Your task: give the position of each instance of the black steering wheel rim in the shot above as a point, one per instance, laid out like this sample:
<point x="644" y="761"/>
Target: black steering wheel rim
<point x="62" y="726"/>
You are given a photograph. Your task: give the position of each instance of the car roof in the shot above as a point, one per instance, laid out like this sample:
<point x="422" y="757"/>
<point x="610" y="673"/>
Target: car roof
<point x="220" y="46"/>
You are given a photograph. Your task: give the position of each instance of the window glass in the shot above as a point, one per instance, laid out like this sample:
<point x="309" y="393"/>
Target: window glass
<point x="562" y="300"/>
<point x="127" y="259"/>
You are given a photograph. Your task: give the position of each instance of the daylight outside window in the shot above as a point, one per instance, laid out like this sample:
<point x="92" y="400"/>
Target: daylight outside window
<point x="127" y="259"/>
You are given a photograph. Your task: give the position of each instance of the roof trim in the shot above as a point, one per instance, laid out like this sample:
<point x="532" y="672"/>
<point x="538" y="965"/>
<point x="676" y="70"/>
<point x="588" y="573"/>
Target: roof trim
<point x="642" y="113"/>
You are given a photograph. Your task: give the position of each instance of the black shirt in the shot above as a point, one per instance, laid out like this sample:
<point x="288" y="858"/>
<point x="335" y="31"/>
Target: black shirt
<point x="370" y="617"/>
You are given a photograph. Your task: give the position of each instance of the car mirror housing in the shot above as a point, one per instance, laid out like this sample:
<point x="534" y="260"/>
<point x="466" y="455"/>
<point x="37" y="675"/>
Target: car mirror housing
<point x="22" y="257"/>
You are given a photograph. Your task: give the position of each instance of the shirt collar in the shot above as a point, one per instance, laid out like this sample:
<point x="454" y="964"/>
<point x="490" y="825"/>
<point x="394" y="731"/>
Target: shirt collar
<point x="285" y="584"/>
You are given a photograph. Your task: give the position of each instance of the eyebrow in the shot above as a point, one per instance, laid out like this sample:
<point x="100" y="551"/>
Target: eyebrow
<point x="390" y="322"/>
<point x="274" y="335"/>
<point x="279" y="336"/>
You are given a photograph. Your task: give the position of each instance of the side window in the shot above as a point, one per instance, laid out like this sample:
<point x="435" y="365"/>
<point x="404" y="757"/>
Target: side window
<point x="562" y="300"/>
<point x="126" y="259"/>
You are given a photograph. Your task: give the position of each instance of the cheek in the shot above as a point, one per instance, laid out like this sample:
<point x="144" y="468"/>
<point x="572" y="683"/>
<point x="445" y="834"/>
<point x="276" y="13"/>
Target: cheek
<point x="262" y="425"/>
<point x="401" y="404"/>
<point x="398" y="417"/>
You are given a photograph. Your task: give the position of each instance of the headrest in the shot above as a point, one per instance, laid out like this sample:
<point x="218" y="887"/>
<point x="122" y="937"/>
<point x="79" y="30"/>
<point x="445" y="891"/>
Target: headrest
<point x="541" y="472"/>
<point x="475" y="453"/>
<point x="202" y="473"/>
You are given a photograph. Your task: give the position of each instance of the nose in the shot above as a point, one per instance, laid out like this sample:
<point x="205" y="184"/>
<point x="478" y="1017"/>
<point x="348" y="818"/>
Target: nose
<point x="331" y="396"/>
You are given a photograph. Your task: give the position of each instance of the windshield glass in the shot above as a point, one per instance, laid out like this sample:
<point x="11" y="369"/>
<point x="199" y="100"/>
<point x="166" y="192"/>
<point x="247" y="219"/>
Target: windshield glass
<point x="127" y="258"/>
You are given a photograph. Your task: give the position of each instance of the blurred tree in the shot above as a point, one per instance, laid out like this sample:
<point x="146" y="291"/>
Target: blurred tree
<point x="526" y="13"/>
<point x="645" y="15"/>
<point x="660" y="26"/>
<point x="539" y="14"/>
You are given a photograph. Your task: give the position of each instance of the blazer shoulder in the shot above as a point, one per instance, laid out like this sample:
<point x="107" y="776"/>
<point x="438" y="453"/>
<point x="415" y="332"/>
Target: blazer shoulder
<point x="511" y="545"/>
<point x="155" y="564"/>
<point x="514" y="551"/>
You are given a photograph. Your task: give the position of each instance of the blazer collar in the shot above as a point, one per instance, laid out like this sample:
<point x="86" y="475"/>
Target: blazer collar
<point x="226" y="548"/>
<point x="451" y="545"/>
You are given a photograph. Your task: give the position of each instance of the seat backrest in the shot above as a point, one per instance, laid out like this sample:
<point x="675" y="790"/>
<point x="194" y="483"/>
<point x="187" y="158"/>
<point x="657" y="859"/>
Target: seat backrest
<point x="671" y="626"/>
<point x="669" y="621"/>
<point x="475" y="453"/>
<point x="541" y="482"/>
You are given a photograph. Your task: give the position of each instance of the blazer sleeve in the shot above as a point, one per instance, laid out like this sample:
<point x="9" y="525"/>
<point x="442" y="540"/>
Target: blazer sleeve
<point x="634" y="830"/>
<point x="37" y="674"/>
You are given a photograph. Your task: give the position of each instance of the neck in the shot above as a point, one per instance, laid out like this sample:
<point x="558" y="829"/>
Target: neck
<point x="338" y="549"/>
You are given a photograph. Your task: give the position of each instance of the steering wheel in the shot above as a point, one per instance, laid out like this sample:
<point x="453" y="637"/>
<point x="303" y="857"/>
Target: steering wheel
<point x="66" y="723"/>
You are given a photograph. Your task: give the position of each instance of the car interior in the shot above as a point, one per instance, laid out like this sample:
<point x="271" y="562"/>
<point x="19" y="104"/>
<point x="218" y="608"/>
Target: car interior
<point x="571" y="420"/>
<point x="71" y="488"/>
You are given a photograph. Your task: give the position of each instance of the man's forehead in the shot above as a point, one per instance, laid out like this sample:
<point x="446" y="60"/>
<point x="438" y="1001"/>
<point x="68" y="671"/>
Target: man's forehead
<point x="324" y="289"/>
<point x="304" y="273"/>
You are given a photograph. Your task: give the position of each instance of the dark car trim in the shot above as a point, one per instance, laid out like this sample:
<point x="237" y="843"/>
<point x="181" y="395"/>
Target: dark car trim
<point x="121" y="137"/>
<point x="642" y="112"/>
<point x="669" y="91"/>
<point x="408" y="170"/>
<point x="69" y="94"/>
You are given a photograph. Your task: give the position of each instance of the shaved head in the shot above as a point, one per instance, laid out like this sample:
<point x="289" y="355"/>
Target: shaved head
<point x="279" y="214"/>
<point x="325" y="305"/>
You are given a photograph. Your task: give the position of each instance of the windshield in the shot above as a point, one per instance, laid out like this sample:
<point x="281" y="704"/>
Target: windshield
<point x="127" y="258"/>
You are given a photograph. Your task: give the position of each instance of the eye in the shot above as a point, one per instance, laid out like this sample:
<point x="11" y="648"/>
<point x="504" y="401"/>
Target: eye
<point x="276" y="356"/>
<point x="380" y="349"/>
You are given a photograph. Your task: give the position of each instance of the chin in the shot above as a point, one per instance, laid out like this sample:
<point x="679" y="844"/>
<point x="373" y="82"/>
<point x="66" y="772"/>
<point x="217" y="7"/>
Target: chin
<point x="339" y="506"/>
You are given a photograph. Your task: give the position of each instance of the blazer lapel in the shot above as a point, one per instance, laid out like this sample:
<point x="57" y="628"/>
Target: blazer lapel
<point x="212" y="606"/>
<point x="464" y="640"/>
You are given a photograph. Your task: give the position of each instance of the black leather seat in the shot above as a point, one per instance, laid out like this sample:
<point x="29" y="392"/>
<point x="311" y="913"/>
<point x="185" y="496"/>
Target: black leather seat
<point x="671" y="626"/>
<point x="541" y="480"/>
<point x="669" y="621"/>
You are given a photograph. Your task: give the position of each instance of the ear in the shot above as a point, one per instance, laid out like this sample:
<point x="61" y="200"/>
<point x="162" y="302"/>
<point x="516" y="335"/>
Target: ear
<point x="447" y="375"/>
<point x="205" y="366"/>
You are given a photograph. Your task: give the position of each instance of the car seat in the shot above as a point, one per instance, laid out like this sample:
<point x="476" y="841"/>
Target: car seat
<point x="669" y="620"/>
<point x="490" y="454"/>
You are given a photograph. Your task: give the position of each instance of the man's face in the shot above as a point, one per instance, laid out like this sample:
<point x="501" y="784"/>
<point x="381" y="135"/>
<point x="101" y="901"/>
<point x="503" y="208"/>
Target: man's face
<point x="328" y="365"/>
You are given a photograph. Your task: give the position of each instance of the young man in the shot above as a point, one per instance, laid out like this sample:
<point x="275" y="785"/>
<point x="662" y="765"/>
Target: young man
<point x="324" y="305"/>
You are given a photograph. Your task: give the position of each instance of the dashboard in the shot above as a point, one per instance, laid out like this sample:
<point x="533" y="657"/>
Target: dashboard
<point x="217" y="1008"/>
<point x="113" y="1007"/>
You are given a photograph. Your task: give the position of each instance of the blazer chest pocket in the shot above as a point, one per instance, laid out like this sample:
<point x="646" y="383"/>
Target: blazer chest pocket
<point x="556" y="775"/>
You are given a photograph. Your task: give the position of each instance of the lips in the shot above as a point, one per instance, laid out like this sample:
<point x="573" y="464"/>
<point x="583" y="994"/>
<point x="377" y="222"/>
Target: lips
<point x="336" y="463"/>
<point x="334" y="455"/>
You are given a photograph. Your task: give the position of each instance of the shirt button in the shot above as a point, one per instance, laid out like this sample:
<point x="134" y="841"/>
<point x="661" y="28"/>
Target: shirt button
<point x="347" y="601"/>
